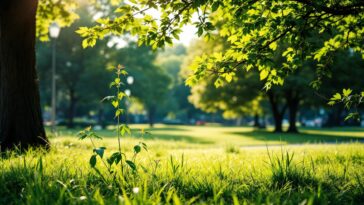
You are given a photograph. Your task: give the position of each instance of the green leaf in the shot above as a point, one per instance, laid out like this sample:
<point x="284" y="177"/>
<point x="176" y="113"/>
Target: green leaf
<point x="83" y="31"/>
<point x="263" y="74"/>
<point x="353" y="115"/>
<point x="93" y="160"/>
<point x="336" y="97"/>
<point x="124" y="129"/>
<point x="100" y="151"/>
<point x="118" y="112"/>
<point x="115" y="103"/>
<point x="84" y="43"/>
<point x="199" y="31"/>
<point x="82" y="135"/>
<point x="273" y="46"/>
<point x="229" y="77"/>
<point x="215" y="6"/>
<point x="117" y="81"/>
<point x="145" y="147"/>
<point x="123" y="72"/>
<point x="137" y="149"/>
<point x="131" y="164"/>
<point x="114" y="158"/>
<point x="218" y="83"/>
<point x="112" y="84"/>
<point x="121" y="95"/>
<point x="92" y="134"/>
<point x="347" y="92"/>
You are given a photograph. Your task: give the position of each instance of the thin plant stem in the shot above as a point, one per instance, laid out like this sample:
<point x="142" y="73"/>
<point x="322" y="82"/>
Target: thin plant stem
<point x="118" y="121"/>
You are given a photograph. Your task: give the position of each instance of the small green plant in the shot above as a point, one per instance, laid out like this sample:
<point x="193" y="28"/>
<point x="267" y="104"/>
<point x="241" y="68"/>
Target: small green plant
<point x="286" y="173"/>
<point x="119" y="157"/>
<point x="232" y="149"/>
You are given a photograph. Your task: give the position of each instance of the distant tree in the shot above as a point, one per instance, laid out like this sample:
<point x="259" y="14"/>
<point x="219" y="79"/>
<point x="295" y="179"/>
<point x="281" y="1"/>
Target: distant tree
<point x="151" y="83"/>
<point x="171" y="60"/>
<point x="79" y="71"/>
<point x="240" y="95"/>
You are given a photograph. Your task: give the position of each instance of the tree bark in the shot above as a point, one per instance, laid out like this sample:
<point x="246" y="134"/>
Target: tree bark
<point x="101" y="116"/>
<point x="71" y="108"/>
<point x="293" y="103"/>
<point x="334" y="117"/>
<point x="292" y="119"/>
<point x="277" y="114"/>
<point x="151" y="116"/>
<point x="21" y="122"/>
<point x="256" y="121"/>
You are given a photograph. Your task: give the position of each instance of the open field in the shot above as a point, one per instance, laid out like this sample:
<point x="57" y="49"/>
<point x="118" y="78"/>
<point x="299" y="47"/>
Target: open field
<point x="202" y="165"/>
<point x="217" y="136"/>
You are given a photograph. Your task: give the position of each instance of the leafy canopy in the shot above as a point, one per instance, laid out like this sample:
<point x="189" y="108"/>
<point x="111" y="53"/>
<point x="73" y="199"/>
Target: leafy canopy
<point x="254" y="30"/>
<point x="60" y="11"/>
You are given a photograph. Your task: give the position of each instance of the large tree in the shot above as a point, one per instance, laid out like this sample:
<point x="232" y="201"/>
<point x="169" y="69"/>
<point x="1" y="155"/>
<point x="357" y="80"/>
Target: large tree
<point x="20" y="114"/>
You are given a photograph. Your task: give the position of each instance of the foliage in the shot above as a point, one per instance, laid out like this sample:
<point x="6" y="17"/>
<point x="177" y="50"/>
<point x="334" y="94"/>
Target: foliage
<point x="350" y="101"/>
<point x="254" y="30"/>
<point x="348" y="66"/>
<point x="78" y="71"/>
<point x="172" y="61"/>
<point x="60" y="11"/>
<point x="241" y="96"/>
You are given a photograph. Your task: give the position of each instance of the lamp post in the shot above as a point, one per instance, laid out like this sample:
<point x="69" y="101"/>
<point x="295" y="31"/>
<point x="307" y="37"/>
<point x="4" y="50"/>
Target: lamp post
<point x="54" y="30"/>
<point x="129" y="81"/>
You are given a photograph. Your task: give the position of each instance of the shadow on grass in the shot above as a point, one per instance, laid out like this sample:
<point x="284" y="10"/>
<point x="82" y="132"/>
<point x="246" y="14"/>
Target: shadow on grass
<point x="179" y="138"/>
<point x="297" y="138"/>
<point x="334" y="129"/>
<point x="172" y="128"/>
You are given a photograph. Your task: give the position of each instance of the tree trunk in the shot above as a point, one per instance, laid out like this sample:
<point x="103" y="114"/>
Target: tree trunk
<point x="293" y="109"/>
<point x="277" y="114"/>
<point x="71" y="109"/>
<point x="21" y="121"/>
<point x="256" y="121"/>
<point x="334" y="117"/>
<point x="293" y="103"/>
<point x="101" y="117"/>
<point x="278" y="120"/>
<point x="151" y="115"/>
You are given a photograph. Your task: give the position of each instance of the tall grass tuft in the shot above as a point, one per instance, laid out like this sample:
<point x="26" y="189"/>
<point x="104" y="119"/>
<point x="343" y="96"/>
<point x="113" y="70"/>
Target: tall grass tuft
<point x="286" y="173"/>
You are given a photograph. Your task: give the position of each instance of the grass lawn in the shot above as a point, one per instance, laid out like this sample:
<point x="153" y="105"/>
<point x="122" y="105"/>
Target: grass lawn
<point x="194" y="165"/>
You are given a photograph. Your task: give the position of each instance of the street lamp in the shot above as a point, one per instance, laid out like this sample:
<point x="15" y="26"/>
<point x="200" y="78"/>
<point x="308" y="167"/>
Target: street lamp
<point x="54" y="30"/>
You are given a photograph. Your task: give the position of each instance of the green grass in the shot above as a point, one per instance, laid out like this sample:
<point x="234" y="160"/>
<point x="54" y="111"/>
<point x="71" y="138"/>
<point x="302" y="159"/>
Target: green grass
<point x="200" y="165"/>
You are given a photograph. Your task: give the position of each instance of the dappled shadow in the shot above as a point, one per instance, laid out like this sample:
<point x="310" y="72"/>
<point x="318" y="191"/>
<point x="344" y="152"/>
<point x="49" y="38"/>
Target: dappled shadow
<point x="298" y="138"/>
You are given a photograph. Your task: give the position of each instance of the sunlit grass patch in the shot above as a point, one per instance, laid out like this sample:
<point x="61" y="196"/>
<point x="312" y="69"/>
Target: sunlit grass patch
<point x="174" y="171"/>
